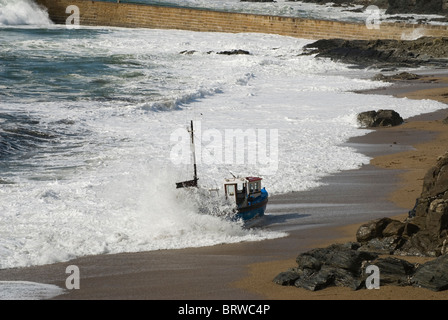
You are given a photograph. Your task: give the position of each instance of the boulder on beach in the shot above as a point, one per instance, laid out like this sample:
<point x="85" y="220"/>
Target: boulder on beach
<point x="347" y="265"/>
<point x="402" y="76"/>
<point x="380" y="118"/>
<point x="336" y="265"/>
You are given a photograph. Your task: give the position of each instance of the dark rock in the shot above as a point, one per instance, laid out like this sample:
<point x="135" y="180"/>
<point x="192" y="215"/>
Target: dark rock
<point x="386" y="245"/>
<point x="392" y="6"/>
<point x="340" y="256"/>
<point x="350" y="260"/>
<point x="380" y="118"/>
<point x="425" y="51"/>
<point x="394" y="228"/>
<point x="234" y="52"/>
<point x="336" y="265"/>
<point x="287" y="278"/>
<point x="329" y="276"/>
<point x="344" y="278"/>
<point x="308" y="261"/>
<point x="386" y="236"/>
<point x="409" y="229"/>
<point x="435" y="182"/>
<point x="396" y="77"/>
<point x="394" y="271"/>
<point x="372" y="229"/>
<point x="378" y="3"/>
<point x="432" y="275"/>
<point x="415" y="6"/>
<point x="429" y="6"/>
<point x="188" y="52"/>
<point x="437" y="217"/>
<point x="316" y="281"/>
<point x="429" y="217"/>
<point x="345" y="265"/>
<point x="422" y="243"/>
<point x="400" y="6"/>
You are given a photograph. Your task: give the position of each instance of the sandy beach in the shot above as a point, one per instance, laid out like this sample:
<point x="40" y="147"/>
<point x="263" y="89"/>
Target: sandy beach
<point x="386" y="187"/>
<point x="412" y="166"/>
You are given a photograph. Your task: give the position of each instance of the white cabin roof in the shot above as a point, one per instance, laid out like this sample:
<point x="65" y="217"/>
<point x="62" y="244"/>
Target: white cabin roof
<point x="241" y="180"/>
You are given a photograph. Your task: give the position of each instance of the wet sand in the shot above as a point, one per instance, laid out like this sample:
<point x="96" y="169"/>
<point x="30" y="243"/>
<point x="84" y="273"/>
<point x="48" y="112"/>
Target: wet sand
<point x="429" y="137"/>
<point x="386" y="187"/>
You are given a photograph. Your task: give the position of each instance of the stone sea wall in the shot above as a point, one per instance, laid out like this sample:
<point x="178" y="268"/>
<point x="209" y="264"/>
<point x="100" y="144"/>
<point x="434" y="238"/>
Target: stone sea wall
<point x="97" y="13"/>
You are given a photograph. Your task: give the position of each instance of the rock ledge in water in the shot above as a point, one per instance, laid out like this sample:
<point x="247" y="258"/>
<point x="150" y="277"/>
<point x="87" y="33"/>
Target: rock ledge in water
<point x="380" y="118"/>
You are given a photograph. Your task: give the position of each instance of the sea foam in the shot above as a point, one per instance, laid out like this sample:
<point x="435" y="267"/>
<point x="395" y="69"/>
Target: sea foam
<point x="22" y="12"/>
<point x="111" y="98"/>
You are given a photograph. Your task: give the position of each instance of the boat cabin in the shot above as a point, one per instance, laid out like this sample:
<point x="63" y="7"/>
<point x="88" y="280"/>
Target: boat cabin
<point x="241" y="189"/>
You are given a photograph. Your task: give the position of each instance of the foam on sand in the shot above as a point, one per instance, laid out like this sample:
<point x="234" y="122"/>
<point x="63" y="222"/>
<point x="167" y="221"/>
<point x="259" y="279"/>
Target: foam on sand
<point x="25" y="290"/>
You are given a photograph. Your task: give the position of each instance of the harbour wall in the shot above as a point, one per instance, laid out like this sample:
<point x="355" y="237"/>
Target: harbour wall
<point x="97" y="13"/>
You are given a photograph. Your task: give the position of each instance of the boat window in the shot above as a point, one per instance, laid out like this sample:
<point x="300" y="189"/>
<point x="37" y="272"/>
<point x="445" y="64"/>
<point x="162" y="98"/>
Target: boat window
<point x="254" y="187"/>
<point x="230" y="189"/>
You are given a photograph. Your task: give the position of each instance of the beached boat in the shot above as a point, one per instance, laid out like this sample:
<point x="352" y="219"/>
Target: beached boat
<point x="250" y="199"/>
<point x="246" y="193"/>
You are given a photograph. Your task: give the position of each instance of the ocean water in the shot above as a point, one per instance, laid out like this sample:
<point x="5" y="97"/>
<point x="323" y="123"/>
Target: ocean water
<point x="91" y="120"/>
<point x="279" y="7"/>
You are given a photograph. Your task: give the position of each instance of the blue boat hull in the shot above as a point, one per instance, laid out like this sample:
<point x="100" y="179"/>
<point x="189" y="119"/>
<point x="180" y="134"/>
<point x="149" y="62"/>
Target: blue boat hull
<point x="255" y="209"/>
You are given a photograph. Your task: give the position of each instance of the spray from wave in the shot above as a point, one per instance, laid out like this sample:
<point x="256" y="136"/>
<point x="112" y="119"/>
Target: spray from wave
<point x="22" y="12"/>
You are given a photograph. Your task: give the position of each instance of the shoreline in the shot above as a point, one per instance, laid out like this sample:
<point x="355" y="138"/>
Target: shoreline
<point x="411" y="166"/>
<point x="245" y="270"/>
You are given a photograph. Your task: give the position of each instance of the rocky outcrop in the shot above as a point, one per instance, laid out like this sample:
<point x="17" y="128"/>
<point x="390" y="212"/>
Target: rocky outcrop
<point x="430" y="213"/>
<point x="423" y="233"/>
<point x="380" y="118"/>
<point x="225" y="52"/>
<point x="347" y="265"/>
<point x="432" y="275"/>
<point x="378" y="3"/>
<point x="394" y="6"/>
<point x="425" y="51"/>
<point x="234" y="52"/>
<point x="416" y="6"/>
<point x="336" y="265"/>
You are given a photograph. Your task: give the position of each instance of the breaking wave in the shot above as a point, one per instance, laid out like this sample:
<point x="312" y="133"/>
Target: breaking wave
<point x="22" y="12"/>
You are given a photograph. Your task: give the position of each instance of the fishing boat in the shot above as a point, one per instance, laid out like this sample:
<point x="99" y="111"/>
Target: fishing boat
<point x="247" y="195"/>
<point x="251" y="200"/>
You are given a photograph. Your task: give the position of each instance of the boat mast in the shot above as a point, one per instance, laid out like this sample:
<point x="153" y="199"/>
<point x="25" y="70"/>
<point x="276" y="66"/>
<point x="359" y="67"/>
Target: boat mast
<point x="193" y="151"/>
<point x="194" y="182"/>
